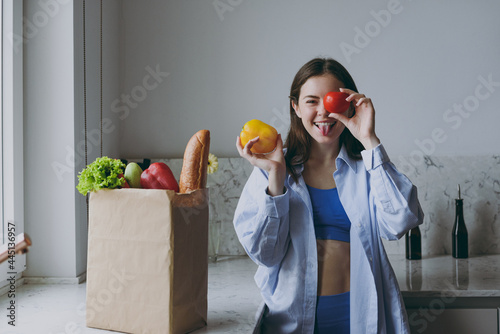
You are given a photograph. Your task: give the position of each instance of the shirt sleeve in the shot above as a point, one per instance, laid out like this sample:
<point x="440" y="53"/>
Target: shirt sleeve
<point x="395" y="197"/>
<point x="261" y="221"/>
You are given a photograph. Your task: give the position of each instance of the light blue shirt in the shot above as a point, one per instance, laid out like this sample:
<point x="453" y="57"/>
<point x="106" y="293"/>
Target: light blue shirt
<point x="278" y="235"/>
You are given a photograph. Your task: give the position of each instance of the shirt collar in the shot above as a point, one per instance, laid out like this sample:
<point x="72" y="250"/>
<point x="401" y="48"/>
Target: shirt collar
<point x="343" y="155"/>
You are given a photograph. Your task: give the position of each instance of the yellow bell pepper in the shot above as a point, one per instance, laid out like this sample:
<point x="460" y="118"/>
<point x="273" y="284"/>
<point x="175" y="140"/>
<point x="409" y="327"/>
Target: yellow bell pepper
<point x="268" y="136"/>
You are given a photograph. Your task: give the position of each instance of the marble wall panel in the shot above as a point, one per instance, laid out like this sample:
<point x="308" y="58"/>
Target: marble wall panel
<point x="436" y="178"/>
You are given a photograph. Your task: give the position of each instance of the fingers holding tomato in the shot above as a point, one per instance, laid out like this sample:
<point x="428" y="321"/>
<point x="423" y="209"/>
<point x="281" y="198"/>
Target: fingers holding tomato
<point x="362" y="122"/>
<point x="356" y="97"/>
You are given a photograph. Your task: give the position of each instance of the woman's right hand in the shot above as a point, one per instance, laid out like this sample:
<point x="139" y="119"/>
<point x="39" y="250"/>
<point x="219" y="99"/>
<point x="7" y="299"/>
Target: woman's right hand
<point x="273" y="163"/>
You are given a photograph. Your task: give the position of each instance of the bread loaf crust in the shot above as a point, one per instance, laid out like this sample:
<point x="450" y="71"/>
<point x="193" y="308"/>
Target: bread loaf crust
<point x="195" y="163"/>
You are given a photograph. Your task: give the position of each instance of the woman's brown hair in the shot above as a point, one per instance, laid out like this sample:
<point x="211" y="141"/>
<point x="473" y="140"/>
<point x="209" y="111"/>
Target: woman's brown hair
<point x="298" y="141"/>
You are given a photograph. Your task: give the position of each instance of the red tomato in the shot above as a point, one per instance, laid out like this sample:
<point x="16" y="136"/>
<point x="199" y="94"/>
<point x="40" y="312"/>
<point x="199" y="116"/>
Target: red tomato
<point x="335" y="102"/>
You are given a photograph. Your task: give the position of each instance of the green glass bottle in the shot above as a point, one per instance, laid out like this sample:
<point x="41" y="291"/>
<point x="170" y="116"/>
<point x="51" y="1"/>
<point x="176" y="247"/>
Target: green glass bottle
<point x="413" y="243"/>
<point x="459" y="236"/>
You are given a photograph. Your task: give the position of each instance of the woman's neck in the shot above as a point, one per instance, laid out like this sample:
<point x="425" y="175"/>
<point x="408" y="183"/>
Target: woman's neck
<point x="319" y="168"/>
<point x="324" y="154"/>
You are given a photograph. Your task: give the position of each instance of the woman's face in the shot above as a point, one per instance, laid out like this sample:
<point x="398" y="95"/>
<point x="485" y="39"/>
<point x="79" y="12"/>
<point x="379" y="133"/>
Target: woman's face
<point x="311" y="111"/>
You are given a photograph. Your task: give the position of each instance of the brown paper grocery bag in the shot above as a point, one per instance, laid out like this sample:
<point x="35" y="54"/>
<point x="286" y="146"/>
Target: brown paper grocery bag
<point x="147" y="260"/>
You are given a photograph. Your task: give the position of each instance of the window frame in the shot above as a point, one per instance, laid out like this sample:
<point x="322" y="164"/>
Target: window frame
<point x="11" y="132"/>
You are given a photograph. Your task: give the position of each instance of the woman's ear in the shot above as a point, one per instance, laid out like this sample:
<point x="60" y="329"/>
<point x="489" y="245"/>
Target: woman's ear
<point x="296" y="108"/>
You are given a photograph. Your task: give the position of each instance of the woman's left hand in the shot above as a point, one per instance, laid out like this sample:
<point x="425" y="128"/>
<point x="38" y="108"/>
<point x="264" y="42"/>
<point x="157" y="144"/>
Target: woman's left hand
<point x="362" y="124"/>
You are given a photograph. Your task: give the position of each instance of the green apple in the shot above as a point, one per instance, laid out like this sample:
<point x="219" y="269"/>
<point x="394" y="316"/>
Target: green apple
<point x="133" y="175"/>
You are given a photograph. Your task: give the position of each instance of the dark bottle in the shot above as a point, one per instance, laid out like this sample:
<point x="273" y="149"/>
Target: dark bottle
<point x="413" y="244"/>
<point x="459" y="238"/>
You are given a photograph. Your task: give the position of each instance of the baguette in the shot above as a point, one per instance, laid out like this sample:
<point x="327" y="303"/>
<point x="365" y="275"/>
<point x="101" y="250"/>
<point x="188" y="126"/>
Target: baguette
<point x="195" y="163"/>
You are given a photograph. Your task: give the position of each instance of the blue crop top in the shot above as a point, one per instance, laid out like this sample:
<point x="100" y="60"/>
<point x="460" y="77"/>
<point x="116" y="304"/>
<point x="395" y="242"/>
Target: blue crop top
<point x="330" y="220"/>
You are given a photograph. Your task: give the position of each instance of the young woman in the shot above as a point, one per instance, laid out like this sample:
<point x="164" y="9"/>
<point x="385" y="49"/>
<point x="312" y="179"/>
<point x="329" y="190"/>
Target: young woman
<point x="311" y="216"/>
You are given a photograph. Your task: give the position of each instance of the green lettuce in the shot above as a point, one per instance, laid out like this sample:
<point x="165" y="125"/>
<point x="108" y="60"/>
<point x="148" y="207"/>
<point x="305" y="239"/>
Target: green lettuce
<point x="104" y="172"/>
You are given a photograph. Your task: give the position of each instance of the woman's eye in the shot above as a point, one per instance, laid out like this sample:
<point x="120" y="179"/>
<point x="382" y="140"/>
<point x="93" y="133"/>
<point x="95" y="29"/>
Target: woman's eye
<point x="310" y="101"/>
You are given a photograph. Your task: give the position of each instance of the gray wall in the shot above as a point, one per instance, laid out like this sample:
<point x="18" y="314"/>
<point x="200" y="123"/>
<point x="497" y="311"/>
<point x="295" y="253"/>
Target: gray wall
<point x="231" y="61"/>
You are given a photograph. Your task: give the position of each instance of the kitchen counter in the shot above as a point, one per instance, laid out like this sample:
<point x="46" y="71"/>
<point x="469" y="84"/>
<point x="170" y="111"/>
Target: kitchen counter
<point x="233" y="297"/>
<point x="444" y="275"/>
<point x="472" y="282"/>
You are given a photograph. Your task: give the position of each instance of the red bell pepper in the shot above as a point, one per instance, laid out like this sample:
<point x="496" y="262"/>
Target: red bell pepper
<point x="125" y="185"/>
<point x="159" y="176"/>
